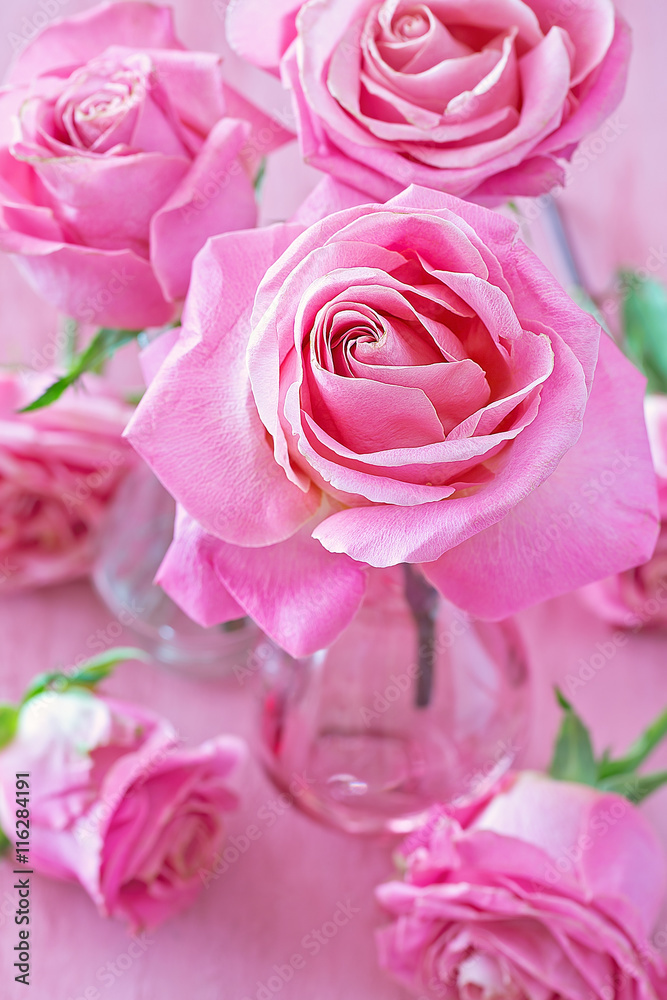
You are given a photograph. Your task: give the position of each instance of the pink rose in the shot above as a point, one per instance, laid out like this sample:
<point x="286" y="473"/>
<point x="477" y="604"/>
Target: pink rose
<point x="116" y="804"/>
<point x="551" y="890"/>
<point x="118" y="162"/>
<point x="59" y="469"/>
<point x="482" y="98"/>
<point x="638" y="597"/>
<point x="398" y="383"/>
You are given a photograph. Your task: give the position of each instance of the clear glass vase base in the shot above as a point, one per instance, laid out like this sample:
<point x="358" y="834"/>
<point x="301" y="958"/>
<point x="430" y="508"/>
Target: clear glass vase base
<point x="394" y="717"/>
<point x="137" y="535"/>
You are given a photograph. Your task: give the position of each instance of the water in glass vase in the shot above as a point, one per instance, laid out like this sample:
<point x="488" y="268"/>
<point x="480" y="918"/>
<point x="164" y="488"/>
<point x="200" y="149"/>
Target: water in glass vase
<point x="415" y="703"/>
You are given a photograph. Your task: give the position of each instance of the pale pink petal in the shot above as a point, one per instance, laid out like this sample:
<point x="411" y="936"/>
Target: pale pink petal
<point x="105" y="288"/>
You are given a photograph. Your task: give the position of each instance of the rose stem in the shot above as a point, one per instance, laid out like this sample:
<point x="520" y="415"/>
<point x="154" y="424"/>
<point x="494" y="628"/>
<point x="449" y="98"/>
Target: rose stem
<point x="565" y="248"/>
<point x="423" y="600"/>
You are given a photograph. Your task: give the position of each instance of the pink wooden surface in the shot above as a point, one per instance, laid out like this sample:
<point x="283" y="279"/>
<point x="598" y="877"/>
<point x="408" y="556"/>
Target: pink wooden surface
<point x="292" y="880"/>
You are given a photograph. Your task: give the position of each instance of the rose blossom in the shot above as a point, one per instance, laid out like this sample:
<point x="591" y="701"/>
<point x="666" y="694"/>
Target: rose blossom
<point x="639" y="596"/>
<point x="116" y="804"/>
<point x="398" y="383"/>
<point x="59" y="469"/>
<point x="482" y="98"/>
<point x="550" y="889"/>
<point x="118" y="161"/>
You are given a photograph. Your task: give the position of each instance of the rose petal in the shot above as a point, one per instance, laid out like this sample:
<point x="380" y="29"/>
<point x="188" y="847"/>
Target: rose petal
<point x="266" y="47"/>
<point x="74" y="40"/>
<point x="589" y="25"/>
<point x="234" y="458"/>
<point x="108" y="288"/>
<point x="187" y="574"/>
<point x="384" y="535"/>
<point x="319" y="592"/>
<point x="214" y="197"/>
<point x="597" y="528"/>
<point x="91" y="200"/>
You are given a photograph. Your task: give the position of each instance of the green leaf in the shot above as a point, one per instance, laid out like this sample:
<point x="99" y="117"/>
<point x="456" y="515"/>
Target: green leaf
<point x="53" y="393"/>
<point x="640" y="750"/>
<point x="573" y="758"/>
<point x="635" y="787"/>
<point x="5" y="843"/>
<point x="9" y="717"/>
<point x="645" y="327"/>
<point x="103" y="346"/>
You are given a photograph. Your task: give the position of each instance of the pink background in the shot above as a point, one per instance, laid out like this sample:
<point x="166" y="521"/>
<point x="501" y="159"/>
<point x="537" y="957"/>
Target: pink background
<point x="292" y="879"/>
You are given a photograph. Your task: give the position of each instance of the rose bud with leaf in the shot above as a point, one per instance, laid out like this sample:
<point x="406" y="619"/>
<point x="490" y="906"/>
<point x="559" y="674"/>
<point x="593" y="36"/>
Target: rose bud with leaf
<point x="116" y="803"/>
<point x="549" y="887"/>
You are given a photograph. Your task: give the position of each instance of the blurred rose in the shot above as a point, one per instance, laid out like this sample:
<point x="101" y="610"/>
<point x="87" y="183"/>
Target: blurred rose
<point x="638" y="597"/>
<point x="116" y="804"/>
<point x="477" y="98"/>
<point x="118" y="162"/>
<point x="396" y="383"/>
<point x="548" y="889"/>
<point x="59" y="469"/>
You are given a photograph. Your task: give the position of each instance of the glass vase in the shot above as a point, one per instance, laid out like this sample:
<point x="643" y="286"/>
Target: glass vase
<point x="137" y="534"/>
<point x="415" y="703"/>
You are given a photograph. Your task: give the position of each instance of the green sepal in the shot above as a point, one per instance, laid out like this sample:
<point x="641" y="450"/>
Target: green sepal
<point x="640" y="750"/>
<point x="100" y="667"/>
<point x="5" y="843"/>
<point x="635" y="787"/>
<point x="573" y="758"/>
<point x="88" y="675"/>
<point x="9" y="717"/>
<point x="103" y="346"/>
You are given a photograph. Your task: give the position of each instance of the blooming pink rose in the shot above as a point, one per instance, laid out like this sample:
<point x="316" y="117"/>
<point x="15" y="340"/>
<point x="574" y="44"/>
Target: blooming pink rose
<point x="551" y="890"/>
<point x="118" y="162"/>
<point x="116" y="804"/>
<point x="59" y="469"/>
<point x="483" y="98"/>
<point x="398" y="383"/>
<point x="638" y="597"/>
